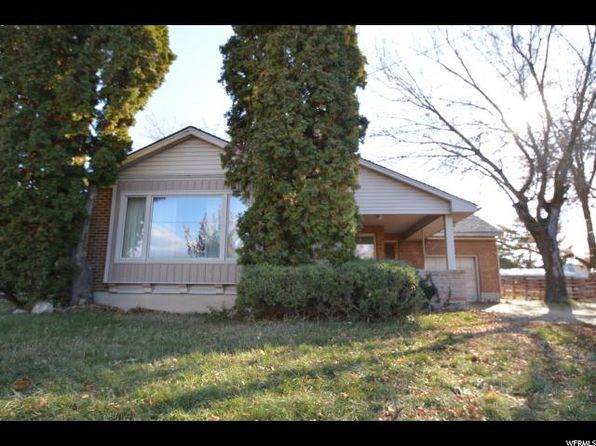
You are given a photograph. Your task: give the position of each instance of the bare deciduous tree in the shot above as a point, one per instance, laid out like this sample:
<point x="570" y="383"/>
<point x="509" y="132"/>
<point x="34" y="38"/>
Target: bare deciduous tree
<point x="158" y="126"/>
<point x="583" y="171"/>
<point x="509" y="102"/>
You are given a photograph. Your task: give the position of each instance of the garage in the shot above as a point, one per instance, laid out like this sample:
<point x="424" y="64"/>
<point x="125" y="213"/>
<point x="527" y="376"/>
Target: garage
<point x="465" y="263"/>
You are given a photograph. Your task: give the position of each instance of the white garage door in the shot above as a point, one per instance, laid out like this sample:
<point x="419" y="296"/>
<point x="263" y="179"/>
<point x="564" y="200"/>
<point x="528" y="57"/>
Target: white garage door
<point x="468" y="264"/>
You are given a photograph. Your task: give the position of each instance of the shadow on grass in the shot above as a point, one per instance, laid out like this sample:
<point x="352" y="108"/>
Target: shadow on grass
<point x="111" y="351"/>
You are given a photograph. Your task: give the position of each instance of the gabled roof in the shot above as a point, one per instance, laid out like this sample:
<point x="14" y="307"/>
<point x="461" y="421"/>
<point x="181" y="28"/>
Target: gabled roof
<point x="174" y="138"/>
<point x="457" y="204"/>
<point x="473" y="226"/>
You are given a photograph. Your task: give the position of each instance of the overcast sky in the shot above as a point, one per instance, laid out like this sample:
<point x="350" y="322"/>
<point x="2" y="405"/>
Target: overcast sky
<point x="191" y="95"/>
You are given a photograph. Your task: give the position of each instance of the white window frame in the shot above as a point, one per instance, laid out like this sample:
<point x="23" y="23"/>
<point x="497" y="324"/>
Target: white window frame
<point x="366" y="234"/>
<point x="149" y="196"/>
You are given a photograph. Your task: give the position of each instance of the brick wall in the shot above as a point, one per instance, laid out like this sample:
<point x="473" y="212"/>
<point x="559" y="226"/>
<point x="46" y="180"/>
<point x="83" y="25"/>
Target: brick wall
<point x="97" y="243"/>
<point x="486" y="253"/>
<point x="411" y="251"/>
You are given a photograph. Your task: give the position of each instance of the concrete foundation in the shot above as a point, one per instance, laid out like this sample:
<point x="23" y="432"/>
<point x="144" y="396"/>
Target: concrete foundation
<point x="172" y="303"/>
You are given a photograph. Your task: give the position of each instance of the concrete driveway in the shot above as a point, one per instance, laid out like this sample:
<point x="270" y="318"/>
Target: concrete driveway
<point x="575" y="312"/>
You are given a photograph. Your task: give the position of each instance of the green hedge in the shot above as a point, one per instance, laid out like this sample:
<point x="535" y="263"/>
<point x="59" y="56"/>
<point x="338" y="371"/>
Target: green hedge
<point x="357" y="290"/>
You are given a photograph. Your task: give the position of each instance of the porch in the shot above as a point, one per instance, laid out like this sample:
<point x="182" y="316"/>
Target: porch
<point x="405" y="237"/>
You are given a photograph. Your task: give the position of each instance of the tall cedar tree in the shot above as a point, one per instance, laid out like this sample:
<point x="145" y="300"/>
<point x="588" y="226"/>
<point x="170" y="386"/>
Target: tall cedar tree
<point x="295" y="128"/>
<point x="68" y="95"/>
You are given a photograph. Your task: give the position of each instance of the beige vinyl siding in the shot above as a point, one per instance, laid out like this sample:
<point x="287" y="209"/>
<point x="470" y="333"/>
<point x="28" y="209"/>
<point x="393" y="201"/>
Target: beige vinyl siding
<point x="192" y="157"/>
<point x="215" y="184"/>
<point x="175" y="273"/>
<point x="379" y="194"/>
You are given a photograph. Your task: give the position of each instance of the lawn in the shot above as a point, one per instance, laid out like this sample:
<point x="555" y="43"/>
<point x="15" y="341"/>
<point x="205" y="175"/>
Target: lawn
<point x="100" y="365"/>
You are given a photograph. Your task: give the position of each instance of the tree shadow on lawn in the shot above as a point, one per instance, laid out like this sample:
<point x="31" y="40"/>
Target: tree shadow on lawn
<point x="106" y="355"/>
<point x="279" y="385"/>
<point x="541" y="384"/>
<point x="110" y="342"/>
<point x="550" y="377"/>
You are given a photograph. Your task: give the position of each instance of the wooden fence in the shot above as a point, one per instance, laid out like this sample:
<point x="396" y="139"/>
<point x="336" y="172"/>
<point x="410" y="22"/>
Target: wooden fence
<point x="533" y="287"/>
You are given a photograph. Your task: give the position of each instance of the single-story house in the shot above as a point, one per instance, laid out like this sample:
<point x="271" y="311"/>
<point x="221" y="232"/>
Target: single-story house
<point x="164" y="236"/>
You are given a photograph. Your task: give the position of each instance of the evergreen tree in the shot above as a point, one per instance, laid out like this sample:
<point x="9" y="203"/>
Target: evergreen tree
<point x="517" y="248"/>
<point x="68" y="95"/>
<point x="295" y="128"/>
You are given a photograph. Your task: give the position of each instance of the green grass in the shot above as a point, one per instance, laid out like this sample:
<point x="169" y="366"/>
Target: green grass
<point x="148" y="366"/>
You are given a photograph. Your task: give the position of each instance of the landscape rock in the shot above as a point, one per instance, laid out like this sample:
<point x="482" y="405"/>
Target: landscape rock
<point x="20" y="311"/>
<point x="42" y="307"/>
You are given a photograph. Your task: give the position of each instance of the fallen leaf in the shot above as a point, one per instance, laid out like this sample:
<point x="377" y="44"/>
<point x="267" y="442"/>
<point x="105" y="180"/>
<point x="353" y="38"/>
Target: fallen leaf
<point x="390" y="413"/>
<point x="212" y="418"/>
<point x="117" y="407"/>
<point x="21" y="384"/>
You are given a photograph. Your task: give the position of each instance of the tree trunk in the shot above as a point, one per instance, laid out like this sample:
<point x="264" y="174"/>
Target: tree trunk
<point x="556" y="286"/>
<point x="82" y="283"/>
<point x="590" y="230"/>
<point x="545" y="232"/>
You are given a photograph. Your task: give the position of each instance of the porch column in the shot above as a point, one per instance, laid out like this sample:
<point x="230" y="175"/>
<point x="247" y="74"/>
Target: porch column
<point x="449" y="241"/>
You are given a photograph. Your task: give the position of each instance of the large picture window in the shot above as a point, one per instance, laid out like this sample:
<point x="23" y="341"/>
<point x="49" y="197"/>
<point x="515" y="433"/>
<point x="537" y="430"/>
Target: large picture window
<point x="158" y="228"/>
<point x="186" y="227"/>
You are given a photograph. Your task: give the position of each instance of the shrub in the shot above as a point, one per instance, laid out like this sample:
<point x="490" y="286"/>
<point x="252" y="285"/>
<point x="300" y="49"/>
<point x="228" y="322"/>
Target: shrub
<point x="382" y="289"/>
<point x="360" y="289"/>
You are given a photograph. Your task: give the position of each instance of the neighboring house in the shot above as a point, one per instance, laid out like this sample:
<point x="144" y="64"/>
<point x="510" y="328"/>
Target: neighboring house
<point x="164" y="236"/>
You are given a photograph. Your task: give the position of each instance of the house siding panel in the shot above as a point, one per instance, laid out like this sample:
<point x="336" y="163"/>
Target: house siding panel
<point x="379" y="194"/>
<point x="192" y="157"/>
<point x="172" y="273"/>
